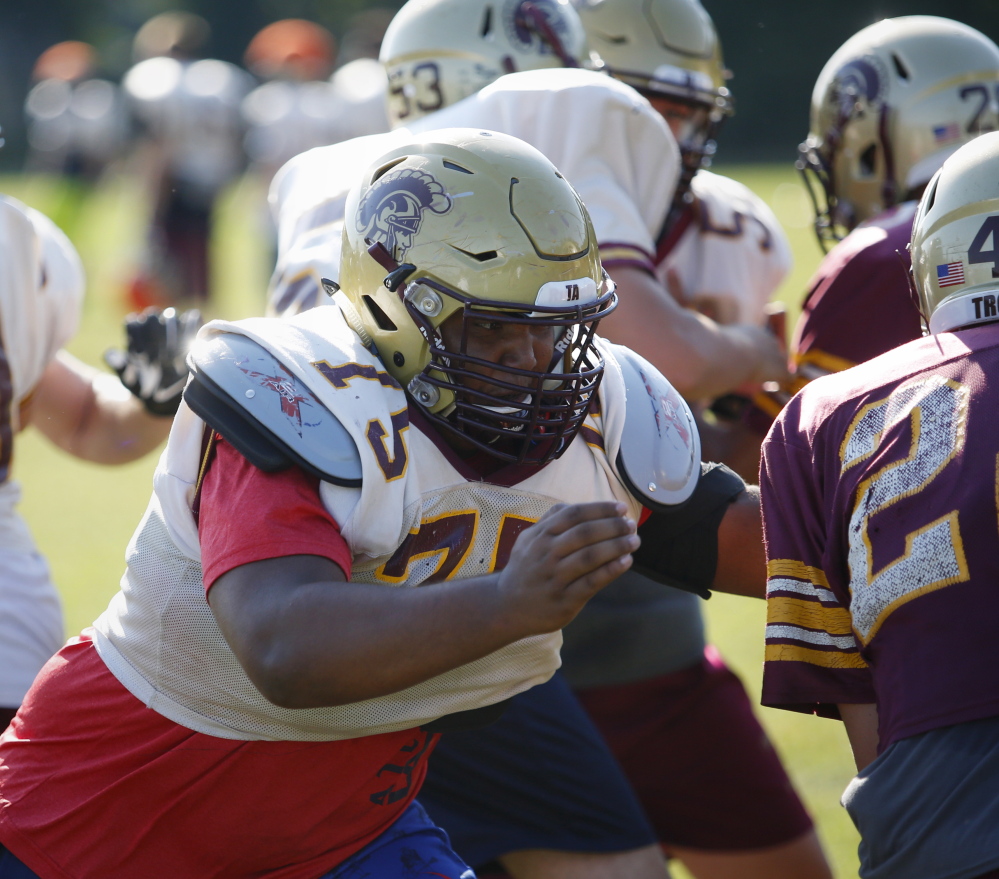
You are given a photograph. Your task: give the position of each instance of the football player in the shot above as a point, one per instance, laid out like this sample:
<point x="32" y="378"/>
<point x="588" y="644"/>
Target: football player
<point x="518" y="815"/>
<point x="888" y="108"/>
<point x="721" y="250"/>
<point x="191" y="146"/>
<point x="83" y="411"/>
<point x="879" y="490"/>
<point x="446" y="62"/>
<point x="76" y="120"/>
<point x="455" y="425"/>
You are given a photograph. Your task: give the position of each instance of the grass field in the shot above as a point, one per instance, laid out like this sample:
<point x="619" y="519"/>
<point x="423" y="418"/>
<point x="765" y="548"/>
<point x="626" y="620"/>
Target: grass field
<point x="83" y="515"/>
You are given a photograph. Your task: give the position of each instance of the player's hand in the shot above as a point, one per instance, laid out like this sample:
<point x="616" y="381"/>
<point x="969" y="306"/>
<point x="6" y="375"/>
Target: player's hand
<point x="153" y="366"/>
<point x="561" y="561"/>
<point x="768" y="352"/>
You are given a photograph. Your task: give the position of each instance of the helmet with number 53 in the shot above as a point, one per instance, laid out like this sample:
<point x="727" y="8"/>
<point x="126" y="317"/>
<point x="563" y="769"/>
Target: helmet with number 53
<point x="955" y="239"/>
<point x="476" y="232"/>
<point x="437" y="52"/>
<point x="888" y="108"/>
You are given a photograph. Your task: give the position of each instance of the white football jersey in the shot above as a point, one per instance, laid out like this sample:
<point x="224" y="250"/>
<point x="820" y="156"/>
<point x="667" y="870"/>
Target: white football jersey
<point x="727" y="253"/>
<point x="41" y="293"/>
<point x="606" y="139"/>
<point x="415" y="517"/>
<point x="192" y="108"/>
<point x="41" y="296"/>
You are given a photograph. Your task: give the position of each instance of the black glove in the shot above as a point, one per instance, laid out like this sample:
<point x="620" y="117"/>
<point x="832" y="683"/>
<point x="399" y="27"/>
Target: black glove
<point x="154" y="367"/>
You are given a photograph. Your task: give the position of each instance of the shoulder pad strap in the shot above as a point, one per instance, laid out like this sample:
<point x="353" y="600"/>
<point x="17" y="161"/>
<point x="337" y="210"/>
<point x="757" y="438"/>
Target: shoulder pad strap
<point x="270" y="417"/>
<point x="660" y="455"/>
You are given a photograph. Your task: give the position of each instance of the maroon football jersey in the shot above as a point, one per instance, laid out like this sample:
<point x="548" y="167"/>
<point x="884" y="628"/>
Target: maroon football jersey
<point x="859" y="305"/>
<point x="880" y="489"/>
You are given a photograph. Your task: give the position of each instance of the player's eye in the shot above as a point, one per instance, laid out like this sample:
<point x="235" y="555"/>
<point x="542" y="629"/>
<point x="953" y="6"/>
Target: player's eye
<point x="487" y="326"/>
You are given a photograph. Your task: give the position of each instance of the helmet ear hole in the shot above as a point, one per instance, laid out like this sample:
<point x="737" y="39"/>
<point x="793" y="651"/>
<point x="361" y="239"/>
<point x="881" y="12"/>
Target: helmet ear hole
<point x="868" y="160"/>
<point x="381" y="318"/>
<point x="487" y="22"/>
<point x="388" y="166"/>
<point x="900" y="67"/>
<point x="931" y="196"/>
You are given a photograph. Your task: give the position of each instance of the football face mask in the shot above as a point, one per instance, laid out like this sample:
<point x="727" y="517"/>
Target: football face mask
<point x="521" y="383"/>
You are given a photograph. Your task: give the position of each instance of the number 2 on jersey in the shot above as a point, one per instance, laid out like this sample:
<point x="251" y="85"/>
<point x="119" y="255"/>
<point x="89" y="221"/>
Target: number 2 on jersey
<point x="936" y="410"/>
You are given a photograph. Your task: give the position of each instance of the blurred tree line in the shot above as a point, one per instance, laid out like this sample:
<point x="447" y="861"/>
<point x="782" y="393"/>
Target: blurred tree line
<point x="775" y="49"/>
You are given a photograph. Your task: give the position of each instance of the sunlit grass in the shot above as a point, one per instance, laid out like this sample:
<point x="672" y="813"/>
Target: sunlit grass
<point x="83" y="514"/>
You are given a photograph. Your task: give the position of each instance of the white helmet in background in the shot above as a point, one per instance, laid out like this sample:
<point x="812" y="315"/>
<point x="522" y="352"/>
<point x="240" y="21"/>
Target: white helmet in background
<point x="437" y="52"/>
<point x="955" y="239"/>
<point x="665" y="48"/>
<point x="888" y="108"/>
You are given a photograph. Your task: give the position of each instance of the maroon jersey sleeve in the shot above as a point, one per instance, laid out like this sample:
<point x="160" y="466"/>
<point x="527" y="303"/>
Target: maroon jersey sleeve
<point x="859" y="305"/>
<point x="247" y="515"/>
<point x="812" y="658"/>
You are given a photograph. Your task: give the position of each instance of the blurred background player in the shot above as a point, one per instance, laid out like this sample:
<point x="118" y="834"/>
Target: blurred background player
<point x="76" y="120"/>
<point x="888" y="108"/>
<point x="359" y="88"/>
<point x="360" y="80"/>
<point x="86" y="413"/>
<point x="300" y="104"/>
<point x="879" y="489"/>
<point x="77" y="124"/>
<point x="191" y="148"/>
<point x="293" y="110"/>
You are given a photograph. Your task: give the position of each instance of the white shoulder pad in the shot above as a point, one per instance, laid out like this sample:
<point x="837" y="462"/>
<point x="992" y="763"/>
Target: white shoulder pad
<point x="242" y="391"/>
<point x="660" y="456"/>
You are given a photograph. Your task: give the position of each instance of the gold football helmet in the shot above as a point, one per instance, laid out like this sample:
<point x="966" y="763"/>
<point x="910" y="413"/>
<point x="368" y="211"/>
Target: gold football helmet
<point x="665" y="48"/>
<point x="437" y="52"/>
<point x="955" y="239"/>
<point x="888" y="108"/>
<point x="478" y="228"/>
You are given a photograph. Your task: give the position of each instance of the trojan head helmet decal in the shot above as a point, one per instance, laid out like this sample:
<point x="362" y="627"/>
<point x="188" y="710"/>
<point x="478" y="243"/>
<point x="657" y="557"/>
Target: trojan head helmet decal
<point x="859" y="85"/>
<point x="536" y="26"/>
<point x="391" y="211"/>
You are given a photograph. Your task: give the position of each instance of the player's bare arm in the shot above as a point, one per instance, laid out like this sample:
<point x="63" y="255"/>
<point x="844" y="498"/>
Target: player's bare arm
<point x="91" y="415"/>
<point x="699" y="357"/>
<point x="742" y="563"/>
<point x="307" y="638"/>
<point x="861" y="722"/>
<point x="108" y="420"/>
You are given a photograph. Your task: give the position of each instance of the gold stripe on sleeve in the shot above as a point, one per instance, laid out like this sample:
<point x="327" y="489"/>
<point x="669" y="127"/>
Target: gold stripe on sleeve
<point x="823" y="658"/>
<point x="796" y="570"/>
<point x="808" y="614"/>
